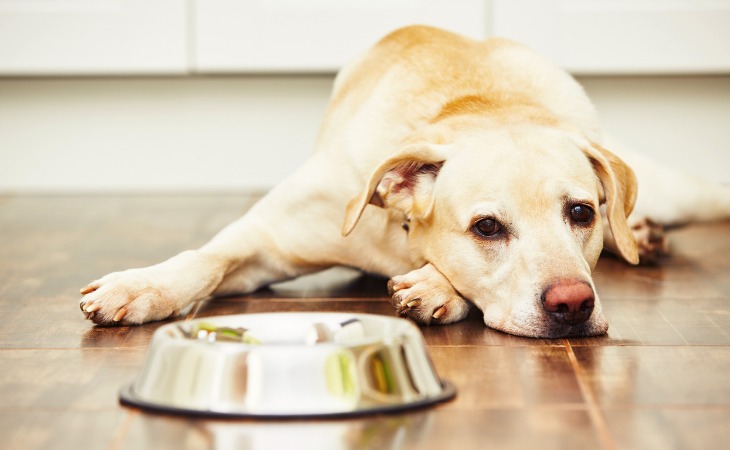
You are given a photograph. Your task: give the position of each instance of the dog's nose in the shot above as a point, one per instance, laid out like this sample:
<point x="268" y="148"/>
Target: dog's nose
<point x="569" y="301"/>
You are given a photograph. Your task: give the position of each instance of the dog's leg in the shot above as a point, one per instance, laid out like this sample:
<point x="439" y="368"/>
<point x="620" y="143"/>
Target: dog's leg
<point x="666" y="196"/>
<point x="156" y="292"/>
<point x="288" y="233"/>
<point x="649" y="235"/>
<point x="242" y="258"/>
<point x="426" y="296"/>
<point x="671" y="197"/>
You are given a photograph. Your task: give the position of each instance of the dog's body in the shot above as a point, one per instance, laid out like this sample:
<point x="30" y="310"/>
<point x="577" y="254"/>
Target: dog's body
<point x="488" y="168"/>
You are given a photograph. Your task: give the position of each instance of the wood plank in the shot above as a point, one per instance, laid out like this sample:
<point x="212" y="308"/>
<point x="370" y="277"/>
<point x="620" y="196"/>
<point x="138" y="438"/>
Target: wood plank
<point x="664" y="321"/>
<point x="507" y="377"/>
<point x="669" y="376"/>
<point x="65" y="379"/>
<point x="685" y="428"/>
<point x="61" y="430"/>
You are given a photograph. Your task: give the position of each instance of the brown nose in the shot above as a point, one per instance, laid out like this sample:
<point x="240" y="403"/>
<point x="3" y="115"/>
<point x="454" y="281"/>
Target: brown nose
<point x="569" y="301"/>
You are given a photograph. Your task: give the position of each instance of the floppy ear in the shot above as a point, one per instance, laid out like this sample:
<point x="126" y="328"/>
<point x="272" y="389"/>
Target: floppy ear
<point x="619" y="187"/>
<point x="403" y="182"/>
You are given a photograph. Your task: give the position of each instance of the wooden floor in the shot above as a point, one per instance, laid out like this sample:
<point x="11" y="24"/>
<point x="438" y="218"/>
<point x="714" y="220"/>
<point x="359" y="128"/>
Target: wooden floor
<point x="659" y="380"/>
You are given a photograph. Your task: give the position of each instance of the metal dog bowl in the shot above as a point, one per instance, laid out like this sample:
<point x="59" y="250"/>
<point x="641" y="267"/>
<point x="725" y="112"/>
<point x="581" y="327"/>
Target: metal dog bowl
<point x="283" y="365"/>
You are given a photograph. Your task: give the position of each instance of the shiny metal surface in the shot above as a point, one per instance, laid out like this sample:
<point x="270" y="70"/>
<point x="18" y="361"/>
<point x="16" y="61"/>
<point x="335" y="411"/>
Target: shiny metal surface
<point x="287" y="365"/>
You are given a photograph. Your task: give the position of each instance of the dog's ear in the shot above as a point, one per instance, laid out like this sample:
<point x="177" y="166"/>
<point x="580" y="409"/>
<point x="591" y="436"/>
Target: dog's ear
<point x="619" y="188"/>
<point x="404" y="182"/>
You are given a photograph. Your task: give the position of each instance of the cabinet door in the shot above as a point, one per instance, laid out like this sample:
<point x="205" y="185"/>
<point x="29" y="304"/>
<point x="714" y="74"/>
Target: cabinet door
<point x="313" y="35"/>
<point x="622" y="36"/>
<point x="69" y="37"/>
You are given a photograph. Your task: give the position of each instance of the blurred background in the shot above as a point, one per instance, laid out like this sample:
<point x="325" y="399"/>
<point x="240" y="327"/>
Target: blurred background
<point x="226" y="95"/>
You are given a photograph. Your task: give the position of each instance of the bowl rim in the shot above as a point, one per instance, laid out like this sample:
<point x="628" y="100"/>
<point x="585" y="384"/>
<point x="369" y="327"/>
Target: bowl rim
<point x="408" y="326"/>
<point x="128" y="397"/>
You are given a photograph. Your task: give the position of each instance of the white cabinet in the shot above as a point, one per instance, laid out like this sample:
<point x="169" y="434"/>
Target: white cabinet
<point x="622" y="36"/>
<point x="93" y="37"/>
<point x="121" y="37"/>
<point x="313" y="35"/>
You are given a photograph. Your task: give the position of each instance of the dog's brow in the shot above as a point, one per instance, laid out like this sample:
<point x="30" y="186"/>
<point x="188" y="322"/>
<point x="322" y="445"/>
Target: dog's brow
<point x="578" y="195"/>
<point x="485" y="208"/>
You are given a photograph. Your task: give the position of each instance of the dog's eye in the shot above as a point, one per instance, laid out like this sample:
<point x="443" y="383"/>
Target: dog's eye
<point x="487" y="228"/>
<point x="582" y="214"/>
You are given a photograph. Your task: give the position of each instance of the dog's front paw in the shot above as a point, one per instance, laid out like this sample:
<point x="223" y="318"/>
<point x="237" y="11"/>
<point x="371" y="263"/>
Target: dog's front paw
<point x="125" y="298"/>
<point x="426" y="296"/>
<point x="152" y="293"/>
<point x="651" y="240"/>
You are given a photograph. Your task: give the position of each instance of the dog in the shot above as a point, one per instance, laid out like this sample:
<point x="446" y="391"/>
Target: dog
<point x="468" y="172"/>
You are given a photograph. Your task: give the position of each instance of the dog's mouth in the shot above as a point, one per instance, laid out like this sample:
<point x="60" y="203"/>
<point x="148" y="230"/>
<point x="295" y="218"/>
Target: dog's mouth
<point x="585" y="329"/>
<point x="547" y="326"/>
<point x="554" y="331"/>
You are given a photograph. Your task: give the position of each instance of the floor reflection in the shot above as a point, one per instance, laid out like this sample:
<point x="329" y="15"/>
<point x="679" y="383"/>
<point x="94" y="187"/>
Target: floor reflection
<point x="382" y="432"/>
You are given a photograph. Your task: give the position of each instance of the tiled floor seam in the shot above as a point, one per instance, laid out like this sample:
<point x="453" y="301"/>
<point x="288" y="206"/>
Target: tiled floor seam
<point x="596" y="415"/>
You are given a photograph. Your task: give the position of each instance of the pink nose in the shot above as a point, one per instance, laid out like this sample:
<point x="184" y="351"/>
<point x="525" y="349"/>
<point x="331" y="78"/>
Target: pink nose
<point x="569" y="301"/>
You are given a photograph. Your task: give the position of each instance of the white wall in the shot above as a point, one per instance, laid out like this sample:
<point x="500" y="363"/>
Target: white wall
<point x="233" y="133"/>
<point x="167" y="134"/>
<point x="683" y="121"/>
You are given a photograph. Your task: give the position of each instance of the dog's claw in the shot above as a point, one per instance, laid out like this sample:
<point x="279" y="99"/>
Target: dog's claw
<point x="439" y="312"/>
<point x="413" y="303"/>
<point x="89" y="289"/>
<point x="120" y="314"/>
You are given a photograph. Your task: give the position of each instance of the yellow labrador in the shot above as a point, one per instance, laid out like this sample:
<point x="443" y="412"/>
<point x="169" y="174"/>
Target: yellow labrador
<point x="488" y="180"/>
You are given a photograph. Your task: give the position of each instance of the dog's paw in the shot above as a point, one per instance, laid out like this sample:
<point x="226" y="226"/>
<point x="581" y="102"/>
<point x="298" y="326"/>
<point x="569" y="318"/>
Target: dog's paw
<point x="651" y="240"/>
<point x="156" y="292"/>
<point x="126" y="298"/>
<point x="426" y="296"/>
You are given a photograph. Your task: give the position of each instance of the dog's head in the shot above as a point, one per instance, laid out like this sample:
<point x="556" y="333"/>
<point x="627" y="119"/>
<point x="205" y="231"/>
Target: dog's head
<point x="513" y="220"/>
